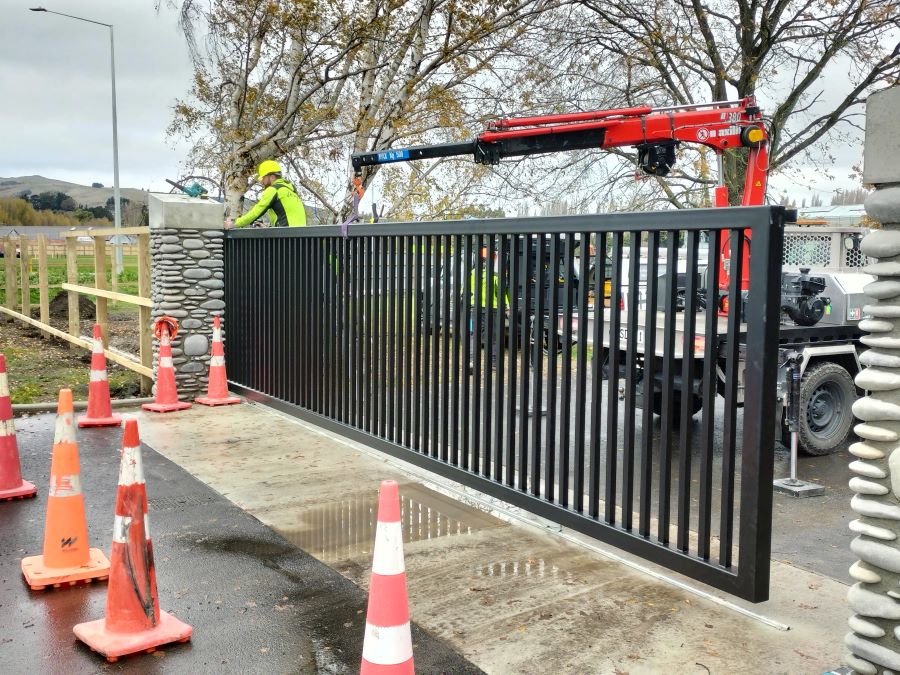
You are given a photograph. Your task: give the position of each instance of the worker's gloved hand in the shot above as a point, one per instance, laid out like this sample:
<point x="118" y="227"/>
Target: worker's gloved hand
<point x="229" y="223"/>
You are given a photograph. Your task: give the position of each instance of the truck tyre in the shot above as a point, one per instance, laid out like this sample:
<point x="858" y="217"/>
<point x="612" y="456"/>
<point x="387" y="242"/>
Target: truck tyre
<point x="827" y="393"/>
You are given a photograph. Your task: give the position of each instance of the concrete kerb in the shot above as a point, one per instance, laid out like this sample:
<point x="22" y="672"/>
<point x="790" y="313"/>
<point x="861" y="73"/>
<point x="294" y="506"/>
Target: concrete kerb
<point x="514" y="515"/>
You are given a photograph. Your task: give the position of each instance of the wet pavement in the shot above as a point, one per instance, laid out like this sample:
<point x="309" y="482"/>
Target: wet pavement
<point x="256" y="602"/>
<point x="512" y="598"/>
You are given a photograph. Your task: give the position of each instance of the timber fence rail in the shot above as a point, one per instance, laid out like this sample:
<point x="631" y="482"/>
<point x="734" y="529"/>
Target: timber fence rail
<point x="20" y="253"/>
<point x="486" y="351"/>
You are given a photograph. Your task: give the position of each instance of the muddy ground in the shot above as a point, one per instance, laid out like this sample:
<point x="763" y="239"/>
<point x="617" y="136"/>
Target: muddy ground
<point x="39" y="367"/>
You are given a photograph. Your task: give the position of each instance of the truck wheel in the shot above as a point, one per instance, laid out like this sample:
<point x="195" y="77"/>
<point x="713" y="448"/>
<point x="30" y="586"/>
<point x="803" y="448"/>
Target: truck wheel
<point x="827" y="393"/>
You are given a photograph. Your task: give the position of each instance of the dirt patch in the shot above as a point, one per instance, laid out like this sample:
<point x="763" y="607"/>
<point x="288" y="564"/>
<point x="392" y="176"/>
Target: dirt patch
<point x="39" y="367"/>
<point x="59" y="307"/>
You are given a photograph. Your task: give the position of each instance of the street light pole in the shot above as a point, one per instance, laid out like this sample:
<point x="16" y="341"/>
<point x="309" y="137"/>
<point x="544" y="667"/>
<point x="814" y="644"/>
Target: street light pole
<point x="115" y="130"/>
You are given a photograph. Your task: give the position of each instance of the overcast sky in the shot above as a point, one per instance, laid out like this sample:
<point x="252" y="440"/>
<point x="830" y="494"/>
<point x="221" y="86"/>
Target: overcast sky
<point x="56" y="119"/>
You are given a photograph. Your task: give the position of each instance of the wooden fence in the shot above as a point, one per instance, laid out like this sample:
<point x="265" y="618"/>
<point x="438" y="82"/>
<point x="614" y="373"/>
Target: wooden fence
<point x="18" y="259"/>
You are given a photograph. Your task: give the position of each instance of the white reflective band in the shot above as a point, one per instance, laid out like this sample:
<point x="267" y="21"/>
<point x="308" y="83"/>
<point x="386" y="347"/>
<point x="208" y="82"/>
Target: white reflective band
<point x="65" y="430"/>
<point x="217" y="334"/>
<point x="122" y="524"/>
<point x="131" y="469"/>
<point x="98" y="347"/>
<point x="165" y="362"/>
<point x="4" y="385"/>
<point x="65" y="486"/>
<point x="387" y="646"/>
<point x="98" y="376"/>
<point x="388" y="557"/>
<point x="7" y="428"/>
<point x="120" y="529"/>
<point x="216" y="361"/>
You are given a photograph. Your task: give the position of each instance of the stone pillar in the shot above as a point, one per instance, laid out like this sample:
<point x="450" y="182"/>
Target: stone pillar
<point x="187" y="241"/>
<point x="874" y="637"/>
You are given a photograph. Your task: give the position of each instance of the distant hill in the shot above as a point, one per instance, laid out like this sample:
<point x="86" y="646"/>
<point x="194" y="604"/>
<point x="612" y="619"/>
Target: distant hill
<point x="84" y="195"/>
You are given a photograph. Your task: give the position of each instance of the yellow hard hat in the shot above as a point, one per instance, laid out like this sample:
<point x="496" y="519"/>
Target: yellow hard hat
<point x="267" y="167"/>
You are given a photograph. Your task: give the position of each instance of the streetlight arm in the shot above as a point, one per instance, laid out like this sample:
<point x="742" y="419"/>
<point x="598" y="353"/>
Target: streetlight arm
<point x="50" y="11"/>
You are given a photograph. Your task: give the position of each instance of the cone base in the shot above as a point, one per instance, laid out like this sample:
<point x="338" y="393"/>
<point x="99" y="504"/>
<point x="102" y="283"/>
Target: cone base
<point x="113" y="645"/>
<point x="208" y="400"/>
<point x="112" y="421"/>
<point x="24" y="491"/>
<point x="39" y="576"/>
<point x="166" y="407"/>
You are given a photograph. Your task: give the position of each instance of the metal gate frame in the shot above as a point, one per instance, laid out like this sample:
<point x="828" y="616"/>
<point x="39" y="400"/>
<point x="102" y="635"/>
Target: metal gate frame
<point x="274" y="293"/>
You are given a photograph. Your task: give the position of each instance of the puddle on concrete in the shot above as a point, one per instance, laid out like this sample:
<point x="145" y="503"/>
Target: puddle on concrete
<point x="345" y="529"/>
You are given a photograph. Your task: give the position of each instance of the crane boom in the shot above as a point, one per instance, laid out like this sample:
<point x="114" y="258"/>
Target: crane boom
<point x="654" y="132"/>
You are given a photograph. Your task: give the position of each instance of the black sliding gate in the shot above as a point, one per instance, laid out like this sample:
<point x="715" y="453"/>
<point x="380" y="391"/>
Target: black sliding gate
<point x="575" y="366"/>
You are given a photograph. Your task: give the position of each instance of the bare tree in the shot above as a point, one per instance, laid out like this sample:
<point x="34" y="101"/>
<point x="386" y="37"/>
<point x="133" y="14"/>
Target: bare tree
<point x="810" y="64"/>
<point x="309" y="82"/>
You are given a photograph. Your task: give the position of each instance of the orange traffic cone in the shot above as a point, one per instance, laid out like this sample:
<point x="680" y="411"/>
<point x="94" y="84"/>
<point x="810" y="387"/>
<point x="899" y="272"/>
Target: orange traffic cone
<point x="217" y="389"/>
<point x="99" y="410"/>
<point x="387" y="646"/>
<point x="67" y="558"/>
<point x="133" y="623"/>
<point x="166" y="329"/>
<point x="11" y="484"/>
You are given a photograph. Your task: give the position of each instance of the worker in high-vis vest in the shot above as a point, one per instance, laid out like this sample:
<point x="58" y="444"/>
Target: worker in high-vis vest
<point x="489" y="301"/>
<point x="279" y="200"/>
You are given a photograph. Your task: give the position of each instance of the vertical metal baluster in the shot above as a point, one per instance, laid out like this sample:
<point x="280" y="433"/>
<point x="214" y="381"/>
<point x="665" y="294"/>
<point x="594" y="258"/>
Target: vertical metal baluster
<point x="418" y="264"/>
<point x="390" y="347"/>
<point x="732" y="363"/>
<point x="597" y="374"/>
<point x="457" y="327"/>
<point x="649" y="383"/>
<point x="346" y="273"/>
<point x="489" y="353"/>
<point x="687" y="392"/>
<point x="425" y="316"/>
<point x="408" y="305"/>
<point x="581" y="372"/>
<point x="498" y="347"/>
<point x="477" y="292"/>
<point x="565" y="392"/>
<point x="543" y="324"/>
<point x="668" y="390"/>
<point x="612" y="391"/>
<point x="631" y="356"/>
<point x="383" y="305"/>
<point x="369" y="362"/>
<point x="526" y="317"/>
<point x="552" y="381"/>
<point x="436" y="332"/>
<point x="509" y="459"/>
<point x="710" y="380"/>
<point x="446" y="329"/>
<point x="468" y="417"/>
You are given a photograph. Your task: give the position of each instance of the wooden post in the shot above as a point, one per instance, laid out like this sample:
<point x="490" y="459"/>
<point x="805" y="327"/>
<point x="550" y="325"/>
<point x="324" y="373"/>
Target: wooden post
<point x="43" y="281"/>
<point x="72" y="278"/>
<point x="143" y="262"/>
<point x="10" y="253"/>
<point x="100" y="282"/>
<point x="25" y="284"/>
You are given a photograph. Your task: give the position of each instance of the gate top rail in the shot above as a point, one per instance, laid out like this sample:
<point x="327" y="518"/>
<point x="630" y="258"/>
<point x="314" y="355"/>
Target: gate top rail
<point x="690" y="220"/>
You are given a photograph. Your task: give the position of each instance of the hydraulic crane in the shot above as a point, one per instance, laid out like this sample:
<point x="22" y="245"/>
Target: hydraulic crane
<point x="653" y="132"/>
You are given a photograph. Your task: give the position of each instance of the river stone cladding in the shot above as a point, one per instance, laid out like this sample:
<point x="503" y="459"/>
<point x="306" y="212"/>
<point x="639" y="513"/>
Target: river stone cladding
<point x="874" y="638"/>
<point x="188" y="263"/>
